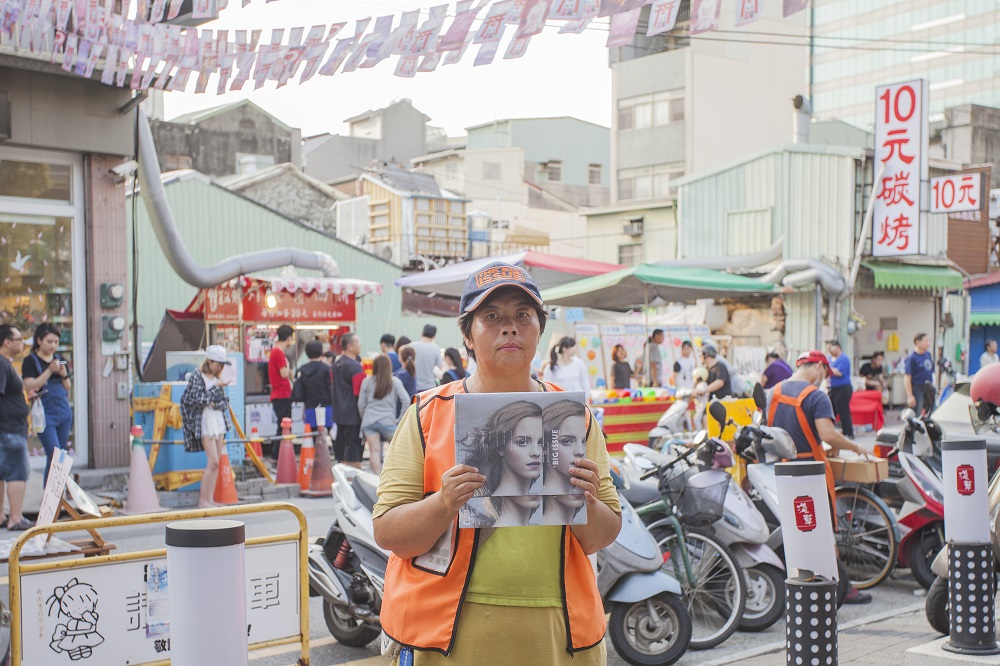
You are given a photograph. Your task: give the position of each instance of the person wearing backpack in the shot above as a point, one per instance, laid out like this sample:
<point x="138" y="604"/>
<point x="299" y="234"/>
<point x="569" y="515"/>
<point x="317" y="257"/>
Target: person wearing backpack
<point x="314" y="385"/>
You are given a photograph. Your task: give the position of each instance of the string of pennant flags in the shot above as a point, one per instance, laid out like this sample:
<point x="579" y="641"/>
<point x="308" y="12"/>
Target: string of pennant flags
<point x="138" y="47"/>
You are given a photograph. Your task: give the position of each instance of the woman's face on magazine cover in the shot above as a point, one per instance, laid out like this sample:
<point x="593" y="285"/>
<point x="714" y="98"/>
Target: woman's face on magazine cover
<point x="569" y="445"/>
<point x="523" y="453"/>
<point x="530" y="502"/>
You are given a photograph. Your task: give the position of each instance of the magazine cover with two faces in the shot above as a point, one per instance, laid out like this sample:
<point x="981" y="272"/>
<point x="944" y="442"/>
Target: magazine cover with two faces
<point x="524" y="444"/>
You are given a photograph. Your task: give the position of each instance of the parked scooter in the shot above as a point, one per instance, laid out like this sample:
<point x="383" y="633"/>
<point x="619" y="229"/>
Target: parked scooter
<point x="742" y="528"/>
<point x="649" y="625"/>
<point x="914" y="491"/>
<point x="761" y="447"/>
<point x="347" y="568"/>
<point x="649" y="622"/>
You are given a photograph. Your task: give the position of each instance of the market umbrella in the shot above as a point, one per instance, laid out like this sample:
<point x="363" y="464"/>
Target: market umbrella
<point x="637" y="286"/>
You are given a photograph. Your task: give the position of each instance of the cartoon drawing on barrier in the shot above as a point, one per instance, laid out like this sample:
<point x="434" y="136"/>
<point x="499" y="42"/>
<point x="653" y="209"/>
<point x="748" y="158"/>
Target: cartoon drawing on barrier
<point x="77" y="602"/>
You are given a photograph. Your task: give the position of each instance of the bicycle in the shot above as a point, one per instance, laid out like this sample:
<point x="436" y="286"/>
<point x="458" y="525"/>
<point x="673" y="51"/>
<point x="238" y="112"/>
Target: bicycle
<point x="867" y="535"/>
<point x="713" y="581"/>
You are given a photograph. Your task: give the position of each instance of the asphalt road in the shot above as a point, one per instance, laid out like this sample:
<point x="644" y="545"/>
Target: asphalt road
<point x="897" y="595"/>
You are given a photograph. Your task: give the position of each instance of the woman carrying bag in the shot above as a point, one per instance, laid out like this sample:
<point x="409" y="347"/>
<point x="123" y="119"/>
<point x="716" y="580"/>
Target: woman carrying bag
<point x="205" y="412"/>
<point x="46" y="372"/>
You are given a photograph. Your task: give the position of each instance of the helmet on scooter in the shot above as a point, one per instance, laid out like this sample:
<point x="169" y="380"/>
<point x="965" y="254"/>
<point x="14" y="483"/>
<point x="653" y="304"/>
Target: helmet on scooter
<point x="986" y="388"/>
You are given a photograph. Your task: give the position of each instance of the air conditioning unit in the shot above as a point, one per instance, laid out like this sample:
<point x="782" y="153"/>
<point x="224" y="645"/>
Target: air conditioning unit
<point x="632" y="228"/>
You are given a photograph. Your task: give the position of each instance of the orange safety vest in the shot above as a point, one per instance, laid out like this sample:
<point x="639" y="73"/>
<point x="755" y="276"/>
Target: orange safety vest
<point x="421" y="608"/>
<point x="816" y="451"/>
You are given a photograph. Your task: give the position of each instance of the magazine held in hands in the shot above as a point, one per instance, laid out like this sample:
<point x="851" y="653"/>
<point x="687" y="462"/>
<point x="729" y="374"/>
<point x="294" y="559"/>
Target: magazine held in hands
<point x="524" y="444"/>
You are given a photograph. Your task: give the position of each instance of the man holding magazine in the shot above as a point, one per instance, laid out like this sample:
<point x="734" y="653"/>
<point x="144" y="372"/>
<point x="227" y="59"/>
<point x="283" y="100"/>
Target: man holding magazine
<point x="495" y="595"/>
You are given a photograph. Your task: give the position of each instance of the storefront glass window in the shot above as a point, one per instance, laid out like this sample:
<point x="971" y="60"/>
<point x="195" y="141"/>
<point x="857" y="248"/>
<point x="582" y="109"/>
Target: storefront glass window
<point x="35" y="180"/>
<point x="37" y="259"/>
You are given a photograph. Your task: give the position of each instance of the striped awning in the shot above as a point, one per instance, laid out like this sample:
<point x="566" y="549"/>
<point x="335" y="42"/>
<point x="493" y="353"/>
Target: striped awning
<point x="984" y="319"/>
<point x="890" y="275"/>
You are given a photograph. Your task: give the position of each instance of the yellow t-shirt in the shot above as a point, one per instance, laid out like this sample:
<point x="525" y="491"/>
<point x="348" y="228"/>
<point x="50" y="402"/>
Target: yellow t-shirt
<point x="516" y="566"/>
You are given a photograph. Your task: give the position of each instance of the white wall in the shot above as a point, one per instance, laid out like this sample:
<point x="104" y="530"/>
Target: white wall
<point x="913" y="316"/>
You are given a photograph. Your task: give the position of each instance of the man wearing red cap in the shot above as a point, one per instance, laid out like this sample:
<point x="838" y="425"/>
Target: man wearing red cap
<point x="806" y="413"/>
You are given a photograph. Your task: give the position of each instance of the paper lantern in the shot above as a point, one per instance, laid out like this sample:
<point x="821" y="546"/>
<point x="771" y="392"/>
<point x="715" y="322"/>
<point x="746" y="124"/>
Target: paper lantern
<point x="595" y="341"/>
<point x="592" y="355"/>
<point x="593" y="371"/>
<point x="677" y="342"/>
<point x="583" y="342"/>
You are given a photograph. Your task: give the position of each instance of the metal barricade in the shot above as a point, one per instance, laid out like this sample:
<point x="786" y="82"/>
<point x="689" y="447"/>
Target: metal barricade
<point x="74" y="598"/>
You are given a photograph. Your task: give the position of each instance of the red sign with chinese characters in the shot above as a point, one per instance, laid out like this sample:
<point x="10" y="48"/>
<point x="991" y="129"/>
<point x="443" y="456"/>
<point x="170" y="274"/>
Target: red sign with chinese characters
<point x="966" y="478"/>
<point x="805" y="513"/>
<point x="222" y="304"/>
<point x="956" y="194"/>
<point x="900" y="145"/>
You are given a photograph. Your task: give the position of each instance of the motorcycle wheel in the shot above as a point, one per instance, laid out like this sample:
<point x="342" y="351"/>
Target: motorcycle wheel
<point x="638" y="641"/>
<point x="922" y="556"/>
<point x="765" y="597"/>
<point x="717" y="599"/>
<point x="936" y="606"/>
<point x="347" y="629"/>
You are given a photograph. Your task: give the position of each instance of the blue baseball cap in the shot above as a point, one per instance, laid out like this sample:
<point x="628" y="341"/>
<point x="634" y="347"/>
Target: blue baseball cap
<point x="492" y="277"/>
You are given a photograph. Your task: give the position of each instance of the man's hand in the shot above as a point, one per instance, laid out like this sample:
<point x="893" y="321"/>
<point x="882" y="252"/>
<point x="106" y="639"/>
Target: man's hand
<point x="458" y="485"/>
<point x="911" y="401"/>
<point x="584" y="476"/>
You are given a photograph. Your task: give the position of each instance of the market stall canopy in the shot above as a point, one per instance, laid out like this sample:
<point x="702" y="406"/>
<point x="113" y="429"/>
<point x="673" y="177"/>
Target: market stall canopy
<point x="635" y="286"/>
<point x="547" y="270"/>
<point x="984" y="318"/>
<point x="889" y="275"/>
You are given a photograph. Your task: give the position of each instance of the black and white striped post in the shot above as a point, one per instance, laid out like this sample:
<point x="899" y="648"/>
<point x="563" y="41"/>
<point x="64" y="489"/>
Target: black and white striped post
<point x="811" y="563"/>
<point x="971" y="584"/>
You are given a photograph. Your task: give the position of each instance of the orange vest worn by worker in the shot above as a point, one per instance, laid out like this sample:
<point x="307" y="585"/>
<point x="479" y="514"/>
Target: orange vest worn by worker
<point x="422" y="605"/>
<point x="816" y="451"/>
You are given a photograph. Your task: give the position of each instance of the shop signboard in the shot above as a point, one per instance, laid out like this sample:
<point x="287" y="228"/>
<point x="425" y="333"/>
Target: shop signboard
<point x="898" y="224"/>
<point x="222" y="304"/>
<point x="959" y="193"/>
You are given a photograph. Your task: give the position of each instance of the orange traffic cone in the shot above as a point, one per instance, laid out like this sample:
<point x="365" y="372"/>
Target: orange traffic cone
<point x="286" y="455"/>
<point x="306" y="459"/>
<point x="225" y="484"/>
<point x="321" y="483"/>
<point x="255" y="441"/>
<point x="142" y="497"/>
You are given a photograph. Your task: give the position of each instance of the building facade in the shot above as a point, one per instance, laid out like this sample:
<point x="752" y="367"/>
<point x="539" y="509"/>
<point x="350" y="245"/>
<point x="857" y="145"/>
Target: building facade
<point x="63" y="235"/>
<point x="861" y="45"/>
<point x="395" y="133"/>
<point x="235" y="138"/>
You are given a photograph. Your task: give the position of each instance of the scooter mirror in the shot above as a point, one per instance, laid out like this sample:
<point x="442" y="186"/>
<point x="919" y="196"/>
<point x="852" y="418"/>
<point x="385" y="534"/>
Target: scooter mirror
<point x="758" y="418"/>
<point x="702" y="435"/>
<point x="907" y="414"/>
<point x="718" y="412"/>
<point x="759" y="397"/>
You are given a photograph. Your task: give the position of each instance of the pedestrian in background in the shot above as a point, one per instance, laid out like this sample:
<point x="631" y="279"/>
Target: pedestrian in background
<point x="205" y="413"/>
<point x="388" y="345"/>
<point x="654" y="366"/>
<point x="408" y="372"/>
<point x="566" y="370"/>
<point x="840" y="386"/>
<point x="47" y="373"/>
<point x="456" y="370"/>
<point x="428" y="357"/>
<point x="775" y="371"/>
<point x="621" y="371"/>
<point x="919" y="377"/>
<point x="381" y="398"/>
<point x="720" y="383"/>
<point x="989" y="354"/>
<point x="14" y="411"/>
<point x="684" y="366"/>
<point x="347" y="377"/>
<point x="280" y="376"/>
<point x="314" y="385"/>
<point x="874" y="372"/>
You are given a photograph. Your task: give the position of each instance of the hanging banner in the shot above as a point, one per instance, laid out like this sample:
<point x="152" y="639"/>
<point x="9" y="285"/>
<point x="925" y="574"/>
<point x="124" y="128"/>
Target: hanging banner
<point x="662" y="16"/>
<point x="705" y="15"/>
<point x="747" y="11"/>
<point x="793" y="7"/>
<point x="623" y="27"/>
<point x="898" y="227"/>
<point x="612" y="7"/>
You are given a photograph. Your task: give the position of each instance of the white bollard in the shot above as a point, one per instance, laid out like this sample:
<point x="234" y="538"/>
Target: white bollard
<point x="206" y="583"/>
<point x="971" y="582"/>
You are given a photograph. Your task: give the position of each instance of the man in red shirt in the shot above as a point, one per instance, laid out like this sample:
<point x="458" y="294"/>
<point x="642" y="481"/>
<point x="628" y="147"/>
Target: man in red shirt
<point x="280" y="377"/>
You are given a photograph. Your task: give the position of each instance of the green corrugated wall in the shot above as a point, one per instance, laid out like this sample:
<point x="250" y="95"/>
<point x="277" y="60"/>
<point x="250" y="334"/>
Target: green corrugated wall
<point x="216" y="223"/>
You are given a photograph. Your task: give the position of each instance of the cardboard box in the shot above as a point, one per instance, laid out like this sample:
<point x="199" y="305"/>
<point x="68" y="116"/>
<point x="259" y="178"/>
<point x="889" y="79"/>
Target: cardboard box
<point x="859" y="470"/>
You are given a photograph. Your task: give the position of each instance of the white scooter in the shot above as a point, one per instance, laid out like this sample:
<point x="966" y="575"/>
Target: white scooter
<point x="742" y="528"/>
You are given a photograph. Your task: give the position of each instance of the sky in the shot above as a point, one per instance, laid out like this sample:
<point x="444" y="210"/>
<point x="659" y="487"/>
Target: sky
<point x="561" y="75"/>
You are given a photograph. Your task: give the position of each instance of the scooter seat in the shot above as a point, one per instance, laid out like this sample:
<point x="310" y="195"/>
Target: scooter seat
<point x="639" y="492"/>
<point x="366" y="493"/>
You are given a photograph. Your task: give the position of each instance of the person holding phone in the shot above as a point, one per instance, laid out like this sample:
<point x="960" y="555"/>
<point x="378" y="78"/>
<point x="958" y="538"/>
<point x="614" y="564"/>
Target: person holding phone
<point x="43" y="370"/>
<point x="205" y="412"/>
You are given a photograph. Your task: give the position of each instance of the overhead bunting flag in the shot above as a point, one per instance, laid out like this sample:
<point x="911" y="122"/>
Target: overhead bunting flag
<point x="131" y="42"/>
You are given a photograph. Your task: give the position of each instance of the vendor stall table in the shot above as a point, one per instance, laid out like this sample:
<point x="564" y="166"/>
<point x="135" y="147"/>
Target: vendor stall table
<point x="867" y="410"/>
<point x="626" y="422"/>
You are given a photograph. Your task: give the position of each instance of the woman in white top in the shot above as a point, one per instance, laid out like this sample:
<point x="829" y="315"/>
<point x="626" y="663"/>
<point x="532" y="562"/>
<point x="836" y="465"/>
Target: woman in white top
<point x="565" y="369"/>
<point x="205" y="413"/>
